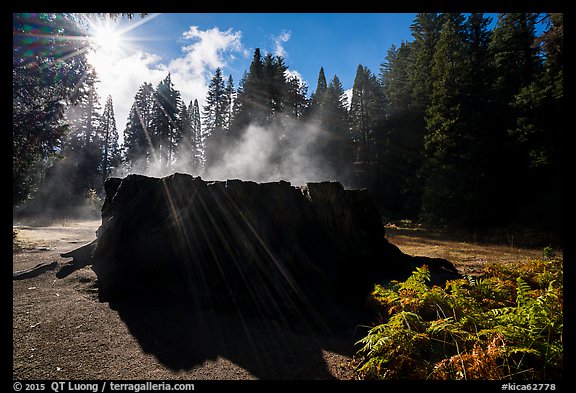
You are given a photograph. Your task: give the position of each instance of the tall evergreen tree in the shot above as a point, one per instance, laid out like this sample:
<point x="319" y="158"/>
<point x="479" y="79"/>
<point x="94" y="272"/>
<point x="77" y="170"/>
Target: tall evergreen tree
<point x="399" y="187"/>
<point x="460" y="145"/>
<point x="190" y="147"/>
<point x="137" y="137"/>
<point x="165" y="122"/>
<point x="199" y="158"/>
<point x="214" y="118"/>
<point x="539" y="133"/>
<point x="84" y="148"/>
<point x="46" y="79"/>
<point x="335" y="144"/>
<point x="318" y="95"/>
<point x="514" y="53"/>
<point x="365" y="114"/>
<point x="273" y="86"/>
<point x="426" y="30"/>
<point x="109" y="135"/>
<point x="295" y="98"/>
<point x="515" y="63"/>
<point x="230" y="98"/>
<point x="448" y="143"/>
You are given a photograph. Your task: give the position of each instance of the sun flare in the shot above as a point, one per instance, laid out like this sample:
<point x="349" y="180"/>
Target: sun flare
<point x="107" y="38"/>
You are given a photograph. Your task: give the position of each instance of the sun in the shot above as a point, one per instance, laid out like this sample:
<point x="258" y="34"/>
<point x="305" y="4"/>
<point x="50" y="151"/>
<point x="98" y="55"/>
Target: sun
<point x="107" y="38"/>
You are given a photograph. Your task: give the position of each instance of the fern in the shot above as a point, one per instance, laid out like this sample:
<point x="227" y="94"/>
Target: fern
<point x="500" y="325"/>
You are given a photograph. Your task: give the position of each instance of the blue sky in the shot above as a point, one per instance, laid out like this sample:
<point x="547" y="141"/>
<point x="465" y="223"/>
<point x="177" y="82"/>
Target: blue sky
<point x="191" y="46"/>
<point x="338" y="42"/>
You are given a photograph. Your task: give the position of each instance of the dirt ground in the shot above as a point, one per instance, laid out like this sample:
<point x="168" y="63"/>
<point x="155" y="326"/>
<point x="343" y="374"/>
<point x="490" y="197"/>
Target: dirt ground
<point x="62" y="331"/>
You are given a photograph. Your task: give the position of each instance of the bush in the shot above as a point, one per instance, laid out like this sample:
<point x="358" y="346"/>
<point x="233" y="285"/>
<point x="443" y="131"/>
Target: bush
<point x="504" y="324"/>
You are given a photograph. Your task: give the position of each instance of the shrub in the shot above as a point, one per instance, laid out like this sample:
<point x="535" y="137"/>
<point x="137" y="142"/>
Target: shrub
<point x="503" y="324"/>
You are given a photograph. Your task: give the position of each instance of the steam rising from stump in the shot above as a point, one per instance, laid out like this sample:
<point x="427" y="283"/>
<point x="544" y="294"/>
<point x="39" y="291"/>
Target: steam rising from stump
<point x="243" y="243"/>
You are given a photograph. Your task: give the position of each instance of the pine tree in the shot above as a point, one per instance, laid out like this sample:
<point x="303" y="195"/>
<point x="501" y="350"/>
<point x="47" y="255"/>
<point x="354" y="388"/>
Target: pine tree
<point x="109" y="135"/>
<point x="515" y="57"/>
<point x="273" y="87"/>
<point x="296" y="101"/>
<point x="447" y="141"/>
<point x="84" y="148"/>
<point x="459" y="143"/>
<point x="252" y="99"/>
<point x="399" y="187"/>
<point x="318" y="96"/>
<point x="240" y="109"/>
<point x="165" y="122"/>
<point x="515" y="64"/>
<point x="540" y="132"/>
<point x="365" y="114"/>
<point x="214" y="117"/>
<point x="199" y="159"/>
<point x="321" y="87"/>
<point x="137" y="137"/>
<point x="230" y="98"/>
<point x="190" y="147"/>
<point x="335" y="141"/>
<point x="42" y="89"/>
<point x="426" y="30"/>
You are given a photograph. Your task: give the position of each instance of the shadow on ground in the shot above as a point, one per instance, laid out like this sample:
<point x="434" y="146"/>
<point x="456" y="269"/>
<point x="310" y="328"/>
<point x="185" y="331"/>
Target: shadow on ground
<point x="181" y="337"/>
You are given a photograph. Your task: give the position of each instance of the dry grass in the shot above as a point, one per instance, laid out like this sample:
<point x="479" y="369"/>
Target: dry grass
<point x="468" y="254"/>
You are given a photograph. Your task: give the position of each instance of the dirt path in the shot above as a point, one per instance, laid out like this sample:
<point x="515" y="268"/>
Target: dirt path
<point x="45" y="243"/>
<point x="62" y="331"/>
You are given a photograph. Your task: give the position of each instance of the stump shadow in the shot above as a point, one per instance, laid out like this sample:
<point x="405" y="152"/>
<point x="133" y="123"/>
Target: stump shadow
<point x="182" y="336"/>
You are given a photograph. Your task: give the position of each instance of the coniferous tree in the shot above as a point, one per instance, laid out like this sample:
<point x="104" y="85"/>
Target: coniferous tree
<point x="273" y="87"/>
<point x="189" y="149"/>
<point x="84" y="147"/>
<point x="251" y="99"/>
<point x="198" y="137"/>
<point x="214" y="118"/>
<point x="318" y="95"/>
<point x="109" y="135"/>
<point x="335" y="142"/>
<point x="296" y="101"/>
<point x="426" y="30"/>
<point x="365" y="114"/>
<point x="165" y="122"/>
<point x="539" y="131"/>
<point x="399" y="166"/>
<point x="230" y="98"/>
<point x="137" y="137"/>
<point x="448" y="143"/>
<point x="42" y="89"/>
<point x="240" y="109"/>
<point x="515" y="63"/>
<point x="321" y="87"/>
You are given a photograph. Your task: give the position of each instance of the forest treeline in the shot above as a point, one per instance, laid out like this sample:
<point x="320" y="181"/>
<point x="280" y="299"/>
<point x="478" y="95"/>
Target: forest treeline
<point x="461" y="126"/>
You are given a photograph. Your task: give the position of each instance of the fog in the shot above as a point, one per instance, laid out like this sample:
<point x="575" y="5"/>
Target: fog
<point x="286" y="150"/>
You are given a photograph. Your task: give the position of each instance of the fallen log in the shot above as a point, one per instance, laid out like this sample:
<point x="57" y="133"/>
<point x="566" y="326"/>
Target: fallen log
<point x="35" y="271"/>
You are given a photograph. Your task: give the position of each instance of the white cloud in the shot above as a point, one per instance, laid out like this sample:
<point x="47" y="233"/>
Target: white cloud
<point x="278" y="41"/>
<point x="209" y="50"/>
<point x="122" y="74"/>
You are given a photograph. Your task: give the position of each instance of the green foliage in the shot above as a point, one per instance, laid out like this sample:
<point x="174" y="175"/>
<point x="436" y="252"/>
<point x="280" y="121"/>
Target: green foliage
<point x="503" y="324"/>
<point x="48" y="68"/>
